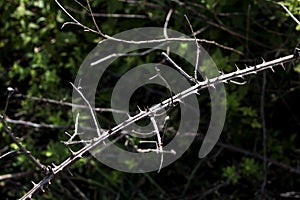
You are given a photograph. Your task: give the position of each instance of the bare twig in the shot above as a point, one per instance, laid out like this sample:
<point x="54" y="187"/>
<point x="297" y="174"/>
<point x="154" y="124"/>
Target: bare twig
<point x="16" y="141"/>
<point x="10" y="92"/>
<point x="15" y="175"/>
<point x="21" y="147"/>
<point x="63" y="103"/>
<point x="264" y="131"/>
<point x="91" y="110"/>
<point x="77" y="190"/>
<point x="8" y="153"/>
<point x="109" y="15"/>
<point x="197" y="50"/>
<point x="167" y="22"/>
<point x="289" y="12"/>
<point x="160" y="147"/>
<point x="98" y="31"/>
<point x="180" y="70"/>
<point x="35" y="125"/>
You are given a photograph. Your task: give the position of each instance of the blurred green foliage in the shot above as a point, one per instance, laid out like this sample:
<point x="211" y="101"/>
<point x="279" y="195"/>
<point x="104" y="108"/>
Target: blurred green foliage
<point x="39" y="59"/>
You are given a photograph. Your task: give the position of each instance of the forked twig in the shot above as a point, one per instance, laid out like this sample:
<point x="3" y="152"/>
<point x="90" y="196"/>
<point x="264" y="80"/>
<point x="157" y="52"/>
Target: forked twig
<point x="99" y="32"/>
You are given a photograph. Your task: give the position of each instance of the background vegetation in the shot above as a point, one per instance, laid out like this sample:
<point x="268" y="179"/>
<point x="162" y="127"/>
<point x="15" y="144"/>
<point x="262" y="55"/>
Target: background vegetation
<point x="39" y="59"/>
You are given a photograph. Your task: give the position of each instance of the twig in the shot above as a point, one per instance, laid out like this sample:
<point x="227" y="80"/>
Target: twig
<point x="8" y="153"/>
<point x="77" y="190"/>
<point x="10" y="92"/>
<point x="197" y="50"/>
<point x="109" y="15"/>
<point x="63" y="103"/>
<point x="258" y="156"/>
<point x="180" y="70"/>
<point x="21" y="147"/>
<point x="15" y="140"/>
<point x="35" y="125"/>
<point x="160" y="148"/>
<point x="167" y="22"/>
<point x="264" y="131"/>
<point x="289" y="12"/>
<point x="15" y="175"/>
<point x="94" y="21"/>
<point x="91" y="109"/>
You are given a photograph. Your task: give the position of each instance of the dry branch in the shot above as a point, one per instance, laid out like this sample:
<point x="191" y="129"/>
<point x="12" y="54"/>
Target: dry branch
<point x="93" y="143"/>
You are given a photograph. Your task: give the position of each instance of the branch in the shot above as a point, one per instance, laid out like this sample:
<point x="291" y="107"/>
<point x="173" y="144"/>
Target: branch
<point x="223" y="78"/>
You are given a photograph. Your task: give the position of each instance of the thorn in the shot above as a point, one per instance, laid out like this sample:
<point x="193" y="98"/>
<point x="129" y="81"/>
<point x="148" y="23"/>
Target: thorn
<point x="147" y="109"/>
<point x="179" y="100"/>
<point x="237" y="68"/>
<point x="72" y="152"/>
<point x="139" y="108"/>
<point x="42" y="188"/>
<point x="196" y="92"/>
<point x="207" y="80"/>
<point x="224" y="81"/>
<point x="34" y="184"/>
<point x="49" y="169"/>
<point x="129" y="117"/>
<point x="272" y="69"/>
<point x="246" y="66"/>
<point x="282" y="66"/>
<point x="263" y="60"/>
<point x="53" y="165"/>
<point x="70" y="172"/>
<point x="67" y="134"/>
<point x="238" y="83"/>
<point x="213" y="85"/>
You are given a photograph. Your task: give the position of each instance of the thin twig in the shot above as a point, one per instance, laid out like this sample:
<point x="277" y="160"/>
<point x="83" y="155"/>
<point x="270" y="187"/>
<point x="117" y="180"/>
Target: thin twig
<point x="15" y="175"/>
<point x="64" y="103"/>
<point x="35" y="125"/>
<point x="167" y="22"/>
<point x="180" y="70"/>
<point x="289" y="12"/>
<point x="77" y="190"/>
<point x="94" y="21"/>
<point x="160" y="147"/>
<point x="264" y="131"/>
<point x="16" y="141"/>
<point x="91" y="109"/>
<point x="198" y="51"/>
<point x="21" y="147"/>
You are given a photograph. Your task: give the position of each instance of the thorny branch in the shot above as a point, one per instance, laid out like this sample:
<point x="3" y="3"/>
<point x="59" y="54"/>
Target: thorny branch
<point x="15" y="140"/>
<point x="93" y="143"/>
